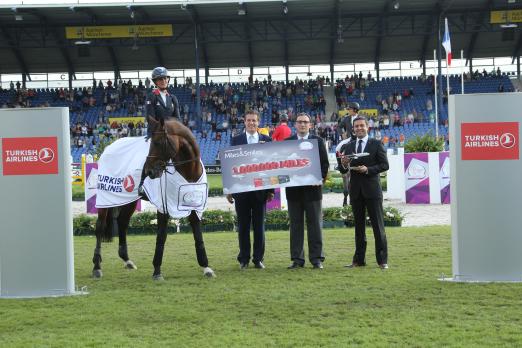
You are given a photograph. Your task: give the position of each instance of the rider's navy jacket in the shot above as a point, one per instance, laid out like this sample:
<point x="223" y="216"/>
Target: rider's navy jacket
<point x="160" y="110"/>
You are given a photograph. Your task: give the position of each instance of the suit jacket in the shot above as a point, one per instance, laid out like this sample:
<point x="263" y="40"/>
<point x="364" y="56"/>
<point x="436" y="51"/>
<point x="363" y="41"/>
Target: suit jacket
<point x="310" y="192"/>
<point x="160" y="110"/>
<point x="367" y="185"/>
<point x="260" y="195"/>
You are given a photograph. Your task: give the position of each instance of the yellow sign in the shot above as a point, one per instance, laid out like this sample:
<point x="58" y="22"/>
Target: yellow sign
<point x="120" y="120"/>
<point x="264" y="131"/>
<point x="369" y="112"/>
<point x="118" y="31"/>
<point x="342" y="113"/>
<point x="502" y="17"/>
<point x="77" y="174"/>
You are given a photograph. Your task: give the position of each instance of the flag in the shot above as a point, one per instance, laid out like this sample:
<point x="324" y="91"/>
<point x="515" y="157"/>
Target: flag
<point x="446" y="42"/>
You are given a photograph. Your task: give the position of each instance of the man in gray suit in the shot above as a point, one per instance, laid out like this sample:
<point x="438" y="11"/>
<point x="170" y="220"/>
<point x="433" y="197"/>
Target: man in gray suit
<point x="307" y="200"/>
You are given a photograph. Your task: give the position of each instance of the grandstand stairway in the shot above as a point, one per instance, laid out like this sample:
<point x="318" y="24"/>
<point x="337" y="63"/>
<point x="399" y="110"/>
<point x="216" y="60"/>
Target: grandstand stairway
<point x="331" y="103"/>
<point x="517" y="84"/>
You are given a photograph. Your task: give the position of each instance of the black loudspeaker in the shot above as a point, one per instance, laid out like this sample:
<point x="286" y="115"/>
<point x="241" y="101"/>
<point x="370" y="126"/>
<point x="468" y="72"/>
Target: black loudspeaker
<point x="84" y="51"/>
<point x="508" y="34"/>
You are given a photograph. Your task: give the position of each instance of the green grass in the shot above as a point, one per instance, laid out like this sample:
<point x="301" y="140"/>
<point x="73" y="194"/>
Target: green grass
<point x="337" y="307"/>
<point x="214" y="181"/>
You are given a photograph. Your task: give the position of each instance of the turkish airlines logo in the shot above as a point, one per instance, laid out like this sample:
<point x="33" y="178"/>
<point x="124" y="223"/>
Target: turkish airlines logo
<point x="46" y="155"/>
<point x="30" y="156"/>
<point x="128" y="183"/>
<point x="507" y="140"/>
<point x="490" y="141"/>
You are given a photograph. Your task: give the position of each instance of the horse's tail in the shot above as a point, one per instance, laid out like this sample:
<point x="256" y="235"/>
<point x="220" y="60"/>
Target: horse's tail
<point x="106" y="233"/>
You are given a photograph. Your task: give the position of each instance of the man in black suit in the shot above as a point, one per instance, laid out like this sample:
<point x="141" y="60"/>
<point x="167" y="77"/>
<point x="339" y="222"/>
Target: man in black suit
<point x="307" y="200"/>
<point x="365" y="191"/>
<point x="251" y="206"/>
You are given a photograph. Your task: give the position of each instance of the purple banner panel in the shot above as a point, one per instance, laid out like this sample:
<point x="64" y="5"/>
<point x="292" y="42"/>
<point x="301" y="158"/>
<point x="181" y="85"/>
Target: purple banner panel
<point x="91" y="183"/>
<point x="444" y="175"/>
<point x="275" y="203"/>
<point x="416" y="174"/>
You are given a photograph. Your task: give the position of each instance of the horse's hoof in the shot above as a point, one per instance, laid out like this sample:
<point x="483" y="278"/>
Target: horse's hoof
<point x="158" y="277"/>
<point x="97" y="273"/>
<point x="208" y="272"/>
<point x="129" y="265"/>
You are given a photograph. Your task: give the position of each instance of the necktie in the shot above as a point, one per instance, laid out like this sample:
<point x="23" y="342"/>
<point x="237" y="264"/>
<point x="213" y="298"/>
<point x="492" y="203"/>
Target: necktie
<point x="250" y="139"/>
<point x="359" y="147"/>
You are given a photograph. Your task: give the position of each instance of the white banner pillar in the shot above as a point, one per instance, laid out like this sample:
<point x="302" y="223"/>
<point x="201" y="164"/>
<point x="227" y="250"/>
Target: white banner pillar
<point x="36" y="240"/>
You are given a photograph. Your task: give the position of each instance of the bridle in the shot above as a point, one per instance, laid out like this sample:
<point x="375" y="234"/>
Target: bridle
<point x="166" y="145"/>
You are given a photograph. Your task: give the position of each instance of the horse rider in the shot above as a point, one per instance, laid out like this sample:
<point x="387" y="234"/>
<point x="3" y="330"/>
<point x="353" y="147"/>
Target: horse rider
<point x="347" y="135"/>
<point x="160" y="105"/>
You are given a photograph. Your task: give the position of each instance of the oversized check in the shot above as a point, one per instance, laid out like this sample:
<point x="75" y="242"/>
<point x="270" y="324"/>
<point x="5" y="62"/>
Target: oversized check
<point x="270" y="165"/>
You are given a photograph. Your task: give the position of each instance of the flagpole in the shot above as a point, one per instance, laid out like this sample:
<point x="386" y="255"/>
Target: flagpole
<point x="435" y="95"/>
<point x="462" y="71"/>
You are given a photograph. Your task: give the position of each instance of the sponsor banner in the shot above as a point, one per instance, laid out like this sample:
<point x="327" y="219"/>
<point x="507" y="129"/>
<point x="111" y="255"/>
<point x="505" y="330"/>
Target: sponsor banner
<point x="76" y="173"/>
<point x="91" y="186"/>
<point x="416" y="174"/>
<point x="369" y="112"/>
<point x="502" y="17"/>
<point x="444" y="177"/>
<point x="120" y="120"/>
<point x="118" y="31"/>
<point x="270" y="165"/>
<point x="490" y="141"/>
<point x="213" y="169"/>
<point x="30" y="156"/>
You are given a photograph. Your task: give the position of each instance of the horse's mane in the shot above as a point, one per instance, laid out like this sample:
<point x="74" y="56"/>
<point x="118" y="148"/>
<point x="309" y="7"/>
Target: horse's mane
<point x="175" y="127"/>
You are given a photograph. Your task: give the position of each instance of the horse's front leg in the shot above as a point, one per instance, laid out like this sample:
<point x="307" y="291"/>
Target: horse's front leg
<point x="123" y="225"/>
<point x="201" y="253"/>
<point x="161" y="237"/>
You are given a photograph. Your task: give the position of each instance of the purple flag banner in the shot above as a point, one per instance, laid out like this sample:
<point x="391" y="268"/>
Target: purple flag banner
<point x="416" y="174"/>
<point x="275" y="203"/>
<point x="444" y="175"/>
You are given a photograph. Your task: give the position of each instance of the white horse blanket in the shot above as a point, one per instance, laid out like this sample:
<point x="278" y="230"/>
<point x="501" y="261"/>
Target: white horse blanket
<point x="119" y="174"/>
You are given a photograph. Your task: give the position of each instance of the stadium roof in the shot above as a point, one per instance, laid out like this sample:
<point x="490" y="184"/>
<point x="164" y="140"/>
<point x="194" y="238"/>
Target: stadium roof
<point x="32" y="37"/>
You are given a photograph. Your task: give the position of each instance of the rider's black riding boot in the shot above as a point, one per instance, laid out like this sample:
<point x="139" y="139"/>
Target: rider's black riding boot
<point x="141" y="190"/>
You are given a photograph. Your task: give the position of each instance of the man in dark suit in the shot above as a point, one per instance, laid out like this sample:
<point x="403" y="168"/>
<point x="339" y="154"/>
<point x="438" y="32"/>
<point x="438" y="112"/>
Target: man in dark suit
<point x="365" y="191"/>
<point x="307" y="200"/>
<point x="251" y="206"/>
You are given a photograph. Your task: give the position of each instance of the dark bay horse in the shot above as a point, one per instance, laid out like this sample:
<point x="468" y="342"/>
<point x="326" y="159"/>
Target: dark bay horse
<point x="171" y="144"/>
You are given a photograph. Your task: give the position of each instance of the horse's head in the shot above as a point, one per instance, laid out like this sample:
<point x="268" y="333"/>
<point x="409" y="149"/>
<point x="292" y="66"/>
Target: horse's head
<point x="163" y="147"/>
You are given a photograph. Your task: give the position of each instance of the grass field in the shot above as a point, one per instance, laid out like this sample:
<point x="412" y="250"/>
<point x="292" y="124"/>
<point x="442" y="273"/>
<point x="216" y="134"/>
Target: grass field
<point x="336" y="307"/>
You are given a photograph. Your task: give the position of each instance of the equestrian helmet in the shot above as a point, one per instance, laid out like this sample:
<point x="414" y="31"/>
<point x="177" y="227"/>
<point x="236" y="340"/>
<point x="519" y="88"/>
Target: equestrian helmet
<point x="353" y="105"/>
<point x="160" y="72"/>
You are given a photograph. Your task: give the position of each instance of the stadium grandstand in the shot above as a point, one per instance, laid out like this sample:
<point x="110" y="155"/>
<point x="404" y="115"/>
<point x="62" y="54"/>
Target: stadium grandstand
<point x="278" y="57"/>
